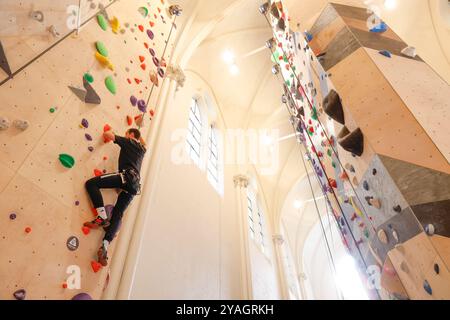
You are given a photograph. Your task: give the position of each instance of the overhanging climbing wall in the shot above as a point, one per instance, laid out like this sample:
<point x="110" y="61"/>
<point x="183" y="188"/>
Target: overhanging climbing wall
<point x="58" y="105"/>
<point x="376" y="139"/>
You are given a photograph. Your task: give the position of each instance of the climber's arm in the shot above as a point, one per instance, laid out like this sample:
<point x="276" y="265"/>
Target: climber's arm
<point x="109" y="136"/>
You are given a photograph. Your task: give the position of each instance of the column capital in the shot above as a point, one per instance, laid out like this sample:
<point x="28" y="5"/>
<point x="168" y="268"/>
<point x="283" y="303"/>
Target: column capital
<point x="174" y="72"/>
<point x="278" y="239"/>
<point x="240" y="180"/>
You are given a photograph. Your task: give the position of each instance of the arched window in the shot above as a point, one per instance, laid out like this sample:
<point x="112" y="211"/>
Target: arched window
<point x="213" y="158"/>
<point x="261" y="235"/>
<point x="251" y="223"/>
<point x="256" y="220"/>
<point x="194" y="138"/>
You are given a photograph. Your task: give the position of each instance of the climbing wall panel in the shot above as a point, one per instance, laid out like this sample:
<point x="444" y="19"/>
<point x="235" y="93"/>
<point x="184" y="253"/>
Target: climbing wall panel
<point x="418" y="85"/>
<point x="36" y="190"/>
<point x="382" y="115"/>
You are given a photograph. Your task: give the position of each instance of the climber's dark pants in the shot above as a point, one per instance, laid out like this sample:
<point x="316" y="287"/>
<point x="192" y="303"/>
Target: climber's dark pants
<point x="109" y="181"/>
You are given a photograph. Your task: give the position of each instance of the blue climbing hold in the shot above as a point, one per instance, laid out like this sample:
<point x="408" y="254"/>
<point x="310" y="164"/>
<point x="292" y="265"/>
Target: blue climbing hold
<point x="427" y="287"/>
<point x="385" y="53"/>
<point x="308" y="36"/>
<point x="382" y="27"/>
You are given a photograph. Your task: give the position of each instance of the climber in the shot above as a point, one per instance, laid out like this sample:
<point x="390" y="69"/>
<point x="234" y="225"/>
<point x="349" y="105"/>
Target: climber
<point x="127" y="179"/>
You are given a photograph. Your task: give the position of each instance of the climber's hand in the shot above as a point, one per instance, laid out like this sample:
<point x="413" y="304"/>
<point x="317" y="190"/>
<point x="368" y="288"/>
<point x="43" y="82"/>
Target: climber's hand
<point x="108" y="136"/>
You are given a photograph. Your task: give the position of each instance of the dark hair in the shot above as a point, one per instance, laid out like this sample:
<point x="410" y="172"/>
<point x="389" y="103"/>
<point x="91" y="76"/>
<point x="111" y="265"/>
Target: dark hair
<point x="135" y="132"/>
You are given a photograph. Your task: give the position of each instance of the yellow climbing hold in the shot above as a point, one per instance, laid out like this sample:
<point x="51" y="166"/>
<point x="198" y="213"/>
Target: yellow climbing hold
<point x="115" y="24"/>
<point x="104" y="61"/>
<point x="357" y="210"/>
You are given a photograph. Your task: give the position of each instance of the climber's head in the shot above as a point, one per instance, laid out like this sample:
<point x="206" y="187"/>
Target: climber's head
<point x="133" y="133"/>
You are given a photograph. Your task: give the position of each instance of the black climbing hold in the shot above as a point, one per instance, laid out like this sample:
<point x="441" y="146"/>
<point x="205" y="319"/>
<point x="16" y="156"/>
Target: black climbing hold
<point x="374" y="172"/>
<point x="427" y="287"/>
<point x="366" y="185"/>
<point x="20" y="294"/>
<point x="4" y="61"/>
<point x="397" y="209"/>
<point x="91" y="95"/>
<point x="353" y="142"/>
<point x="281" y="25"/>
<point x="12" y="216"/>
<point x="333" y="107"/>
<point x="368" y="199"/>
<point x="436" y="268"/>
<point x="72" y="243"/>
<point x="343" y="133"/>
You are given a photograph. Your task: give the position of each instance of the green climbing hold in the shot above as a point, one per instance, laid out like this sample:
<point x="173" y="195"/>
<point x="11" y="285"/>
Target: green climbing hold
<point x="143" y="11"/>
<point x="102" y="22"/>
<point x="67" y="160"/>
<point x="329" y="152"/>
<point x="88" y="77"/>
<point x="314" y="114"/>
<point x="111" y="85"/>
<point x="285" y="59"/>
<point x="101" y="48"/>
<point x="52" y="110"/>
<point x="333" y="164"/>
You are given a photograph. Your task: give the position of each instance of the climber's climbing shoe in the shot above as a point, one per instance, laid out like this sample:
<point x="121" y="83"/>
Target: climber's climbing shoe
<point x="102" y="256"/>
<point x="97" y="223"/>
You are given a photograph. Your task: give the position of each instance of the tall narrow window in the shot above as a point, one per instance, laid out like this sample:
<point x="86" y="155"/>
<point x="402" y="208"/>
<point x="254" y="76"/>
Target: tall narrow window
<point x="261" y="237"/>
<point x="194" y="137"/>
<point x="251" y="223"/>
<point x="213" y="158"/>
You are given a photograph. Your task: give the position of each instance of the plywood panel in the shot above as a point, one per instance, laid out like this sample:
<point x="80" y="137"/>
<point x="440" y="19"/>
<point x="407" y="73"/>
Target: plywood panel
<point x="382" y="115"/>
<point x="425" y="94"/>
<point x="418" y="257"/>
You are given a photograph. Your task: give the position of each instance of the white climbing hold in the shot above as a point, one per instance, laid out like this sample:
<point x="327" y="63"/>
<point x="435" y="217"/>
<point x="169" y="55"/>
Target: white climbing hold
<point x="395" y="235"/>
<point x="4" y="123"/>
<point x="53" y="31"/>
<point x="382" y="236"/>
<point x="409" y="52"/>
<point x="376" y="203"/>
<point x="429" y="229"/>
<point x="21" y="124"/>
<point x="400" y="248"/>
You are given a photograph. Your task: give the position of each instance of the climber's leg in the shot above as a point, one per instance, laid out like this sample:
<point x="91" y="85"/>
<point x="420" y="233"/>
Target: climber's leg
<point x="93" y="186"/>
<point x="123" y="201"/>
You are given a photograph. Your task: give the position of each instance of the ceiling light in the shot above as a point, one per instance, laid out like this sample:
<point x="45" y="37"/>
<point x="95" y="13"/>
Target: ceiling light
<point x="390" y="4"/>
<point x="228" y="56"/>
<point x="297" y="204"/>
<point x="234" y="69"/>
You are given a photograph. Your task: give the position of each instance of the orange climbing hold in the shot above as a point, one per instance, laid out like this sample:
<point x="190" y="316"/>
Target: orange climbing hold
<point x="333" y="183"/>
<point x="95" y="266"/>
<point x="105" y="158"/>
<point x="152" y="24"/>
<point x="143" y="66"/>
<point x="86" y="230"/>
<point x="141" y="59"/>
<point x="137" y="80"/>
<point x="27" y="229"/>
<point x="152" y="113"/>
<point x="146" y="45"/>
<point x="129" y="120"/>
<point x="64" y="285"/>
<point x="129" y="81"/>
<point x="141" y="28"/>
<point x="97" y="172"/>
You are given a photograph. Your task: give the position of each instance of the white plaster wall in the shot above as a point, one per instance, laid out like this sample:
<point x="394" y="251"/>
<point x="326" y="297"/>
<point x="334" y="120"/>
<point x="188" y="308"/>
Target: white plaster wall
<point x="191" y="246"/>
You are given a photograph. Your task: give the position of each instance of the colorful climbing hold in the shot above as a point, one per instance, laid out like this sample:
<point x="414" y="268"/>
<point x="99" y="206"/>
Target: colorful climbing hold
<point x="89" y="78"/>
<point x="86" y="230"/>
<point x="84" y="123"/>
<point x="385" y="53"/>
<point x="12" y="216"/>
<point x="101" y="48"/>
<point x="143" y="11"/>
<point x="150" y="34"/>
<point x="102" y="22"/>
<point x="104" y="61"/>
<point x="133" y="101"/>
<point x="115" y="24"/>
<point x="88" y="137"/>
<point x="20" y="294"/>
<point x="52" y="110"/>
<point x="95" y="266"/>
<point x="98" y="173"/>
<point x="427" y="287"/>
<point x="28" y="229"/>
<point x="82" y="296"/>
<point x="129" y="120"/>
<point x="429" y="229"/>
<point x="142" y="106"/>
<point x="380" y="28"/>
<point x="67" y="160"/>
<point x="110" y="84"/>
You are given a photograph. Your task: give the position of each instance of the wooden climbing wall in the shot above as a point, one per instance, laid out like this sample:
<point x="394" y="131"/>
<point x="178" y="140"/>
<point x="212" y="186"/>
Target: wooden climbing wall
<point x="387" y="178"/>
<point x="34" y="186"/>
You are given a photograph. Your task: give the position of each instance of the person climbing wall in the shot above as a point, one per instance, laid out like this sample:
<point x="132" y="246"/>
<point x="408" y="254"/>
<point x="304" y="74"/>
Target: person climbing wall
<point x="127" y="179"/>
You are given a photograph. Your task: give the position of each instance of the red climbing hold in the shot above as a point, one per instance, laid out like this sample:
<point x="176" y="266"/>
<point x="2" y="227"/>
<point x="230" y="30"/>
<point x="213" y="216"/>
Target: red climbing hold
<point x="64" y="285"/>
<point x="143" y="66"/>
<point x="27" y="229"/>
<point x="129" y="120"/>
<point x="141" y="28"/>
<point x="146" y="45"/>
<point x="152" y="113"/>
<point x="152" y="24"/>
<point x="97" y="172"/>
<point x="141" y="59"/>
<point x="106" y="128"/>
<point x="344" y="176"/>
<point x="105" y="158"/>
<point x="86" y="230"/>
<point x="137" y="80"/>
<point x="129" y="81"/>
<point x="333" y="183"/>
<point x="95" y="266"/>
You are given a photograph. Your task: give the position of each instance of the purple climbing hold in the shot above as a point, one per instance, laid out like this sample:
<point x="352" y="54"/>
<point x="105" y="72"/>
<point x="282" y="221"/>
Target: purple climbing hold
<point x="133" y="101"/>
<point x="85" y="123"/>
<point x="20" y="294"/>
<point x="91" y="149"/>
<point x="142" y="106"/>
<point x="150" y="34"/>
<point x="77" y="203"/>
<point x="161" y="72"/>
<point x="152" y="52"/>
<point x="88" y="137"/>
<point x="156" y="61"/>
<point x="12" y="216"/>
<point x="82" y="296"/>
